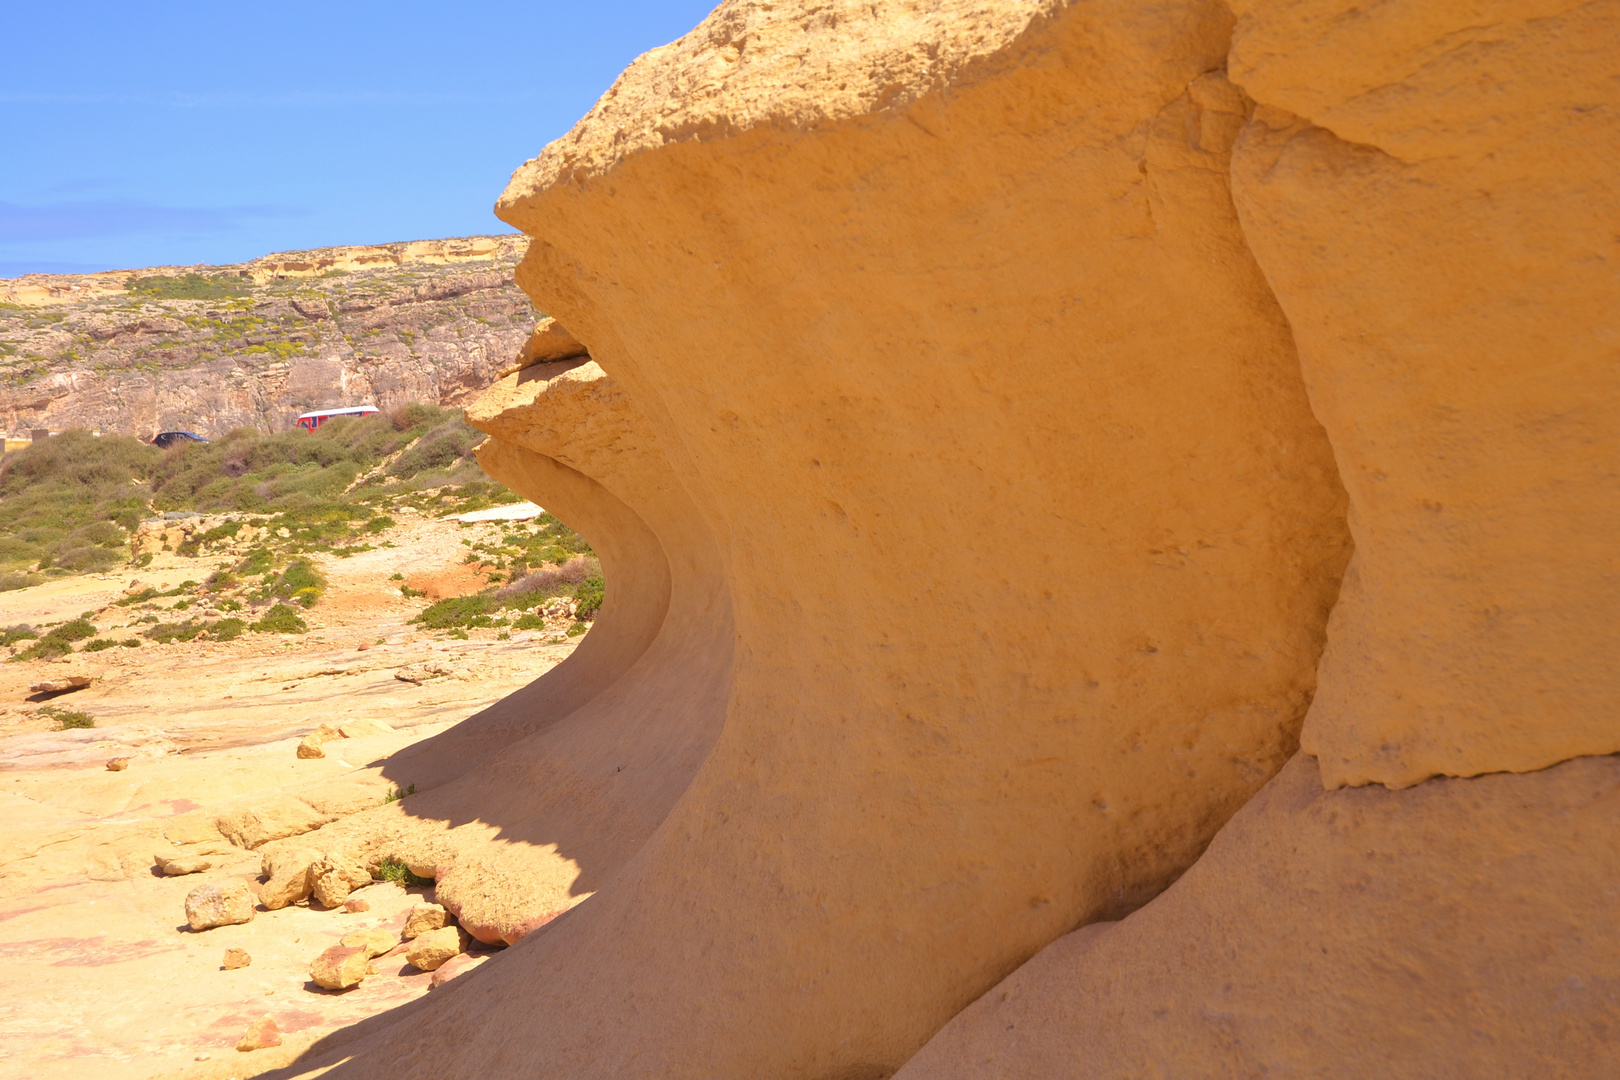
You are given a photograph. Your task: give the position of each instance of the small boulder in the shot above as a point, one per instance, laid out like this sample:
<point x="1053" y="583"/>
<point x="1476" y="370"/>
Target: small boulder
<point x="340" y="967"/>
<point x="354" y="905"/>
<point x="262" y="1033"/>
<point x="180" y="865"/>
<point x="117" y="764"/>
<point x="374" y="942"/>
<point x="429" y="951"/>
<point x="456" y="965"/>
<point x="236" y="958"/>
<point x="219" y="903"/>
<point x="336" y="877"/>
<point x="292" y="876"/>
<point x="61" y="684"/>
<point x="310" y="745"/>
<point x="423" y="919"/>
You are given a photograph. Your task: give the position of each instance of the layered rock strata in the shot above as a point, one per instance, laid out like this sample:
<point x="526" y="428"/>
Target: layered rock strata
<point x="972" y="357"/>
<point x="298" y="331"/>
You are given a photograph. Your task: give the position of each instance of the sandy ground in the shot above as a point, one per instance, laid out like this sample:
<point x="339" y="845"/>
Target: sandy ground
<point x="100" y="975"/>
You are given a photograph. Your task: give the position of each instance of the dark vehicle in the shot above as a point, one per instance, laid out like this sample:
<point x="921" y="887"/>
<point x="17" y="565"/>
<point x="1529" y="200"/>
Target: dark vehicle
<point x="165" y="439"/>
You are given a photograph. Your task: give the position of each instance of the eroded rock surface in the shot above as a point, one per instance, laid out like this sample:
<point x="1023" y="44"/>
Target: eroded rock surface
<point x="980" y="402"/>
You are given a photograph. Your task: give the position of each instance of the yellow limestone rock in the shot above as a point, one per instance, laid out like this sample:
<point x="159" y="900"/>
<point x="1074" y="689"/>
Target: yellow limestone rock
<point x="236" y="958"/>
<point x="220" y="903"/>
<point x="980" y="402"/>
<point x="260" y="1035"/>
<point x="423" y="918"/>
<point x="290" y="875"/>
<point x="340" y="967"/>
<point x="432" y="948"/>
<point x="374" y="942"/>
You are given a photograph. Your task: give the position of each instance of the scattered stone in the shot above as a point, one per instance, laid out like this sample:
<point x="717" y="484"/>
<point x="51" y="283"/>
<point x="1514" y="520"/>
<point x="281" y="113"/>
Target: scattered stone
<point x="340" y="967"/>
<point x="310" y="745"/>
<point x="374" y="942"/>
<point x="134" y="587"/>
<point x="423" y="919"/>
<point x="219" y="903"/>
<point x="336" y="877"/>
<point x="427" y="669"/>
<point x="202" y="1057"/>
<point x="61" y="684"/>
<point x="237" y="958"/>
<point x="117" y="764"/>
<point x="430" y="950"/>
<point x="261" y="1033"/>
<point x="180" y="865"/>
<point x="456" y="965"/>
<point x="354" y="905"/>
<point x="359" y="729"/>
<point x="292" y="877"/>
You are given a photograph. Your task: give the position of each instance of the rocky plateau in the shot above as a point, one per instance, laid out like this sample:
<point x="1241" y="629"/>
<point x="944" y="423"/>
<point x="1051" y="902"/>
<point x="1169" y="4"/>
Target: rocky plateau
<point x="383" y="325"/>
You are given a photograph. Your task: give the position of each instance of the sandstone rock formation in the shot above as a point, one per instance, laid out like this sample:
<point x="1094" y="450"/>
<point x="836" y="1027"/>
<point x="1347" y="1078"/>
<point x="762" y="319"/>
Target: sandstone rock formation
<point x="981" y="400"/>
<point x="261" y="1034"/>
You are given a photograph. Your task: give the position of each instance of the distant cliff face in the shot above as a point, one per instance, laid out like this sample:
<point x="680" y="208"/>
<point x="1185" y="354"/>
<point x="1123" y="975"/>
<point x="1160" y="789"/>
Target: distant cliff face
<point x="208" y="349"/>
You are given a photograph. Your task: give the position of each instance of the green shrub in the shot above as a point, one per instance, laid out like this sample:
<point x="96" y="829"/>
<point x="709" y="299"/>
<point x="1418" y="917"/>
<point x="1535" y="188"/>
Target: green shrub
<point x="58" y="641"/>
<point x="254" y="563"/>
<point x="395" y="870"/>
<point x="67" y="719"/>
<point x="11" y="581"/>
<point x="530" y="621"/>
<point x="167" y="633"/>
<point x="577" y="629"/>
<point x="21" y="632"/>
<point x="300" y="582"/>
<point x="191" y="286"/>
<point x="379" y="524"/>
<point x="281" y="619"/>
<point x="459" y="611"/>
<point x="592" y="591"/>
<point x="227" y="629"/>
<point x="101" y="643"/>
<point x="397" y="794"/>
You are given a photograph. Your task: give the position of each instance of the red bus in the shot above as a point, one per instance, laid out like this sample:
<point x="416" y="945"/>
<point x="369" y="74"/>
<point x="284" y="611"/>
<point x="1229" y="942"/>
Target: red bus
<point x="312" y="420"/>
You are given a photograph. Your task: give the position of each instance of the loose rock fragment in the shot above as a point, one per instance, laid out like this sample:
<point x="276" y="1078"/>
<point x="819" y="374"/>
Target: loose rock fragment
<point x="340" y="967"/>
<point x="291" y="874"/>
<point x="179" y="865"/>
<point x="219" y="903"/>
<point x="61" y="684"/>
<point x="336" y="877"/>
<point x="424" y="918"/>
<point x="236" y="958"/>
<point x="456" y="965"/>
<point x="117" y="764"/>
<point x="310" y="745"/>
<point x="430" y="950"/>
<point x="373" y="942"/>
<point x="260" y="1034"/>
<point x="354" y="905"/>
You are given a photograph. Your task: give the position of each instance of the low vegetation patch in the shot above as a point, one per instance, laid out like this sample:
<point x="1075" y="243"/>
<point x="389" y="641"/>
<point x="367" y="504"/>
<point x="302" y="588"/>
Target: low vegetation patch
<point x="58" y="641"/>
<point x="67" y="719"/>
<point x="394" y="870"/>
<point x="281" y="619"/>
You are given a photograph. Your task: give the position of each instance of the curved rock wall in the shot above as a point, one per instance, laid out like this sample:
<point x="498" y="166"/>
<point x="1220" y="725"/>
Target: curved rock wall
<point x="966" y="364"/>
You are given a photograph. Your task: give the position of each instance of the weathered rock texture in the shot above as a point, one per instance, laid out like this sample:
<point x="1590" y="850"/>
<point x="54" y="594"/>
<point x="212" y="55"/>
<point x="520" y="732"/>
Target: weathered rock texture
<point x="431" y="321"/>
<point x="953" y="405"/>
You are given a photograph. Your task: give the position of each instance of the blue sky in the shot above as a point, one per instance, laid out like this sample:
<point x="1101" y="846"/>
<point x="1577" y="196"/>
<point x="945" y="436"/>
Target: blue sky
<point x="174" y="133"/>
